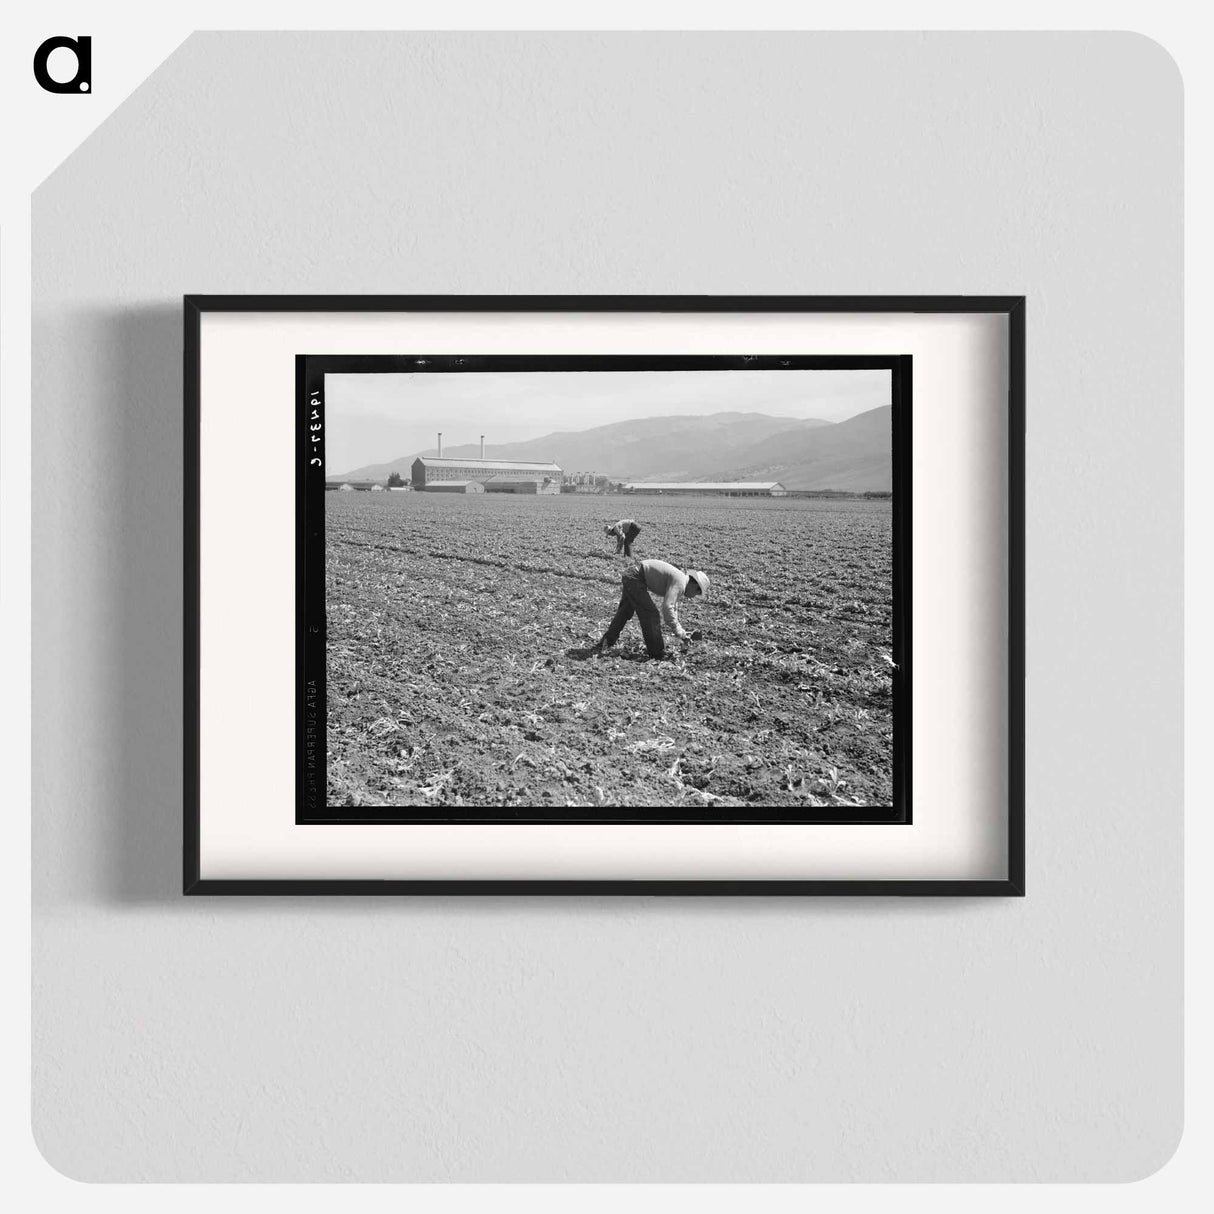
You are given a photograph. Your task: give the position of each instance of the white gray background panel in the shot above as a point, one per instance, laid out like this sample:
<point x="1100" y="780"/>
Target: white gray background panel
<point x="623" y="1039"/>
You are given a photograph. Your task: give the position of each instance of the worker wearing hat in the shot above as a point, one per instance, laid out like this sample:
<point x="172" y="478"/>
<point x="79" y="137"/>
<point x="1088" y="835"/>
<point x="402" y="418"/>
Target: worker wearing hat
<point x="625" y="531"/>
<point x="668" y="585"/>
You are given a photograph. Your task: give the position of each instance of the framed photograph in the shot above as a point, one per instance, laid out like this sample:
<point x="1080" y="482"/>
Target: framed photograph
<point x="604" y="595"/>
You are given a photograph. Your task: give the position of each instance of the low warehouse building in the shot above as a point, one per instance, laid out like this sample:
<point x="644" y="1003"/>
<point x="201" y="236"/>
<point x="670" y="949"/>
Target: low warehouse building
<point x="717" y="488"/>
<point x="456" y="487"/>
<point x="508" y="484"/>
<point x="361" y="486"/>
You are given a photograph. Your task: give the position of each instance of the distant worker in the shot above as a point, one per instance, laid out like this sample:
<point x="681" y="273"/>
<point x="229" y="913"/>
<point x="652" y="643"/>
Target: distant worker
<point x="625" y="531"/>
<point x="669" y="584"/>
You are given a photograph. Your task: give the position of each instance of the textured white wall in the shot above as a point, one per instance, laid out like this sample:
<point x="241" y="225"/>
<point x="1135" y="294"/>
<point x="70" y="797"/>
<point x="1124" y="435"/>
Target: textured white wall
<point x="627" y="1039"/>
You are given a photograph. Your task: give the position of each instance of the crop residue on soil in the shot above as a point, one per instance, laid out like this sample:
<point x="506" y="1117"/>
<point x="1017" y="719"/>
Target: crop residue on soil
<point x="449" y="619"/>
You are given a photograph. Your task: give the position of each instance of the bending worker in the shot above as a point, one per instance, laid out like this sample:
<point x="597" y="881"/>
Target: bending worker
<point x="669" y="584"/>
<point x="625" y="531"/>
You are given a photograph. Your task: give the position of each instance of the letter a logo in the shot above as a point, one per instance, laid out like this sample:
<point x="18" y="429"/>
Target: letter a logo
<point x="82" y="81"/>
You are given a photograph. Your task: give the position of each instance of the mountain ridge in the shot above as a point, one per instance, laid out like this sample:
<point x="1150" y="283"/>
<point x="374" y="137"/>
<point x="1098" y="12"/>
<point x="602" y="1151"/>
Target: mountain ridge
<point x="854" y="454"/>
<point x="807" y="453"/>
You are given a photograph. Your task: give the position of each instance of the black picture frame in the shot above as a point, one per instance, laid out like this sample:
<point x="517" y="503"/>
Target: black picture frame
<point x="310" y="541"/>
<point x="1011" y="307"/>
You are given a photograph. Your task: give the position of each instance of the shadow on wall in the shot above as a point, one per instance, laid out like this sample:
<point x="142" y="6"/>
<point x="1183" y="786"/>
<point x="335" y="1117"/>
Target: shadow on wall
<point x="107" y="605"/>
<point x="143" y="859"/>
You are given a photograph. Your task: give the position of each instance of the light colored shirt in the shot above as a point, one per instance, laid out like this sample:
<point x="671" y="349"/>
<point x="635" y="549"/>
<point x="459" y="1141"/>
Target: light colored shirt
<point x="668" y="584"/>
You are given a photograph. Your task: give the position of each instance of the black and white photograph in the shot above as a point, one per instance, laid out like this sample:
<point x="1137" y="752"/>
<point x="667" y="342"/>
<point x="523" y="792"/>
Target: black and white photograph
<point x="603" y="589"/>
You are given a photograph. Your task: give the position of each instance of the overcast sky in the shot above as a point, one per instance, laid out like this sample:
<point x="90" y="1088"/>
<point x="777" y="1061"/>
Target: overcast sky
<point x="371" y="419"/>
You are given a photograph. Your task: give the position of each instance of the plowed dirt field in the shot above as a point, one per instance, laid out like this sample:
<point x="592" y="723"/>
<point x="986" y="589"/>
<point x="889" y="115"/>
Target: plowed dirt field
<point x="449" y="682"/>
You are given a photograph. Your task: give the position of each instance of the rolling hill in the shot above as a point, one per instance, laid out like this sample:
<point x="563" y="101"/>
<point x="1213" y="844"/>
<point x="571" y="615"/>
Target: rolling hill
<point x="657" y="447"/>
<point x="855" y="454"/>
<point x="803" y="454"/>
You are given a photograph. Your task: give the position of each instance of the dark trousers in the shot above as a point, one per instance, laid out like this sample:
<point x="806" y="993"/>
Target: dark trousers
<point x="635" y="600"/>
<point x="625" y="541"/>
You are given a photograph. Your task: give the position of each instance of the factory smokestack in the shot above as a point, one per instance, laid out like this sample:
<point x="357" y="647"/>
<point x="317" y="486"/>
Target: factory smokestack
<point x="482" y="446"/>
<point x="440" y="444"/>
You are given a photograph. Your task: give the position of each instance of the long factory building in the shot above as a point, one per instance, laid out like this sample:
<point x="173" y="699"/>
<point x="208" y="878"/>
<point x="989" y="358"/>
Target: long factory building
<point x="459" y="475"/>
<point x="717" y="488"/>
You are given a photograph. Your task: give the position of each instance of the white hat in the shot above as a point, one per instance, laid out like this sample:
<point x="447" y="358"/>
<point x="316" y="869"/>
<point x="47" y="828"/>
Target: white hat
<point x="701" y="580"/>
